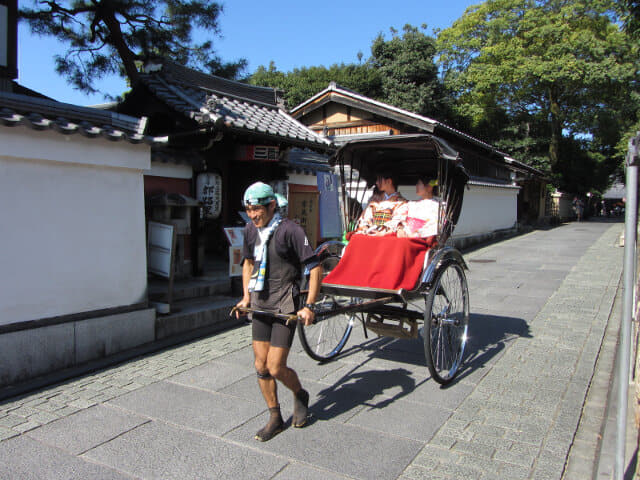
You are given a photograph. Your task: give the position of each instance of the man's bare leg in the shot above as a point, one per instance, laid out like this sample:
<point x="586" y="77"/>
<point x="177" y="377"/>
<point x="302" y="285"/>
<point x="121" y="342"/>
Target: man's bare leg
<point x="277" y="365"/>
<point x="266" y="381"/>
<point x="269" y="391"/>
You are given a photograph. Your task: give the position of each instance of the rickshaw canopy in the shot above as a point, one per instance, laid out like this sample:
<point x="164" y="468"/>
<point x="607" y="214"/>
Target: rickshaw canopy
<point x="409" y="157"/>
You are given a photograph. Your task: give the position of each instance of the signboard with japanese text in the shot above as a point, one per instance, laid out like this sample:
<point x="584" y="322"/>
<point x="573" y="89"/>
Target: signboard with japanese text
<point x="209" y="191"/>
<point x="330" y="218"/>
<point x="303" y="209"/>
<point x="259" y="153"/>
<point x="160" y="248"/>
<point x="235" y="235"/>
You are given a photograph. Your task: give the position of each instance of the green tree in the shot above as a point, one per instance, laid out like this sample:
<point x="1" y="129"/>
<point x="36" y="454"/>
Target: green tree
<point x="302" y="83"/>
<point x="629" y="11"/>
<point x="116" y="36"/>
<point x="401" y="71"/>
<point x="558" y="63"/>
<point x="409" y="73"/>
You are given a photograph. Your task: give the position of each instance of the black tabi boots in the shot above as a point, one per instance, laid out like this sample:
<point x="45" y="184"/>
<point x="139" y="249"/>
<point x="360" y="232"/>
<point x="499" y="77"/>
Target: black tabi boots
<point x="300" y="408"/>
<point x="273" y="426"/>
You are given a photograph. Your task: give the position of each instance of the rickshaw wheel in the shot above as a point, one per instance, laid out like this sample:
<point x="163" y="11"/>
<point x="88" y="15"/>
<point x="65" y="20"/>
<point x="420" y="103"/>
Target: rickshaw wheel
<point x="327" y="336"/>
<point x="446" y="322"/>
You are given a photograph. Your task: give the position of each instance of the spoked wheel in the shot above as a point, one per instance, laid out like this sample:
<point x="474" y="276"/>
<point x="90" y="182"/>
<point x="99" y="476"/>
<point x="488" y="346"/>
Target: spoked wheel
<point x="446" y="323"/>
<point x="326" y="338"/>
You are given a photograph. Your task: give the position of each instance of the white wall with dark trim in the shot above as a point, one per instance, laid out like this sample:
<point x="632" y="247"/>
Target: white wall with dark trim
<point x="486" y="209"/>
<point x="73" y="224"/>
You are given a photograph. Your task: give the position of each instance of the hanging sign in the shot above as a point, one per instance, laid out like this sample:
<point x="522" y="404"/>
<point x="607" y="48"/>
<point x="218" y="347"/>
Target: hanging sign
<point x="260" y="153"/>
<point x="330" y="218"/>
<point x="209" y="192"/>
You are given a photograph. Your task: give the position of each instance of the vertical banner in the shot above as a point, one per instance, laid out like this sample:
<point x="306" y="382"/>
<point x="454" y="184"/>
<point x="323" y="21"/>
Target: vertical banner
<point x="209" y="191"/>
<point x="330" y="219"/>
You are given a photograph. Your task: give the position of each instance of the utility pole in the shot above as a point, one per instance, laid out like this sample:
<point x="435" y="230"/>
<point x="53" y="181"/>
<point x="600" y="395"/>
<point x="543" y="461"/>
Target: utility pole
<point x="630" y="233"/>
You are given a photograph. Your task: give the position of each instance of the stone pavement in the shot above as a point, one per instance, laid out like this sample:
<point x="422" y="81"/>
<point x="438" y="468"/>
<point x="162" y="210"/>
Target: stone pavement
<point x="540" y="307"/>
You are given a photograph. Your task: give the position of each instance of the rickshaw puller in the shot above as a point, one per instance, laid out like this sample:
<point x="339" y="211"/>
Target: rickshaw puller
<point x="275" y="251"/>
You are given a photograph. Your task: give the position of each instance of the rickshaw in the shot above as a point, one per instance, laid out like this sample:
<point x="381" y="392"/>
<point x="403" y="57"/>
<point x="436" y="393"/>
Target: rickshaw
<point x="437" y="298"/>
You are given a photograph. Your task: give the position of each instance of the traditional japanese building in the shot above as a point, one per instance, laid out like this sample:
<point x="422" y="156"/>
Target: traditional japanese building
<point x="502" y="190"/>
<point x="222" y="136"/>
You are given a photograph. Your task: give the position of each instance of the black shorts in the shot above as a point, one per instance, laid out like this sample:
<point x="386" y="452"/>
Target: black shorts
<point x="273" y="330"/>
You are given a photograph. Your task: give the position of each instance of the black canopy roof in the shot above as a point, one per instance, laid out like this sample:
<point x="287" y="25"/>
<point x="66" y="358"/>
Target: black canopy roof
<point x="409" y="157"/>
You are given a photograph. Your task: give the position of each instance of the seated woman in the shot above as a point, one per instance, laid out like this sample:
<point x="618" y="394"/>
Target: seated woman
<point x="420" y="217"/>
<point x="384" y="261"/>
<point x="381" y="215"/>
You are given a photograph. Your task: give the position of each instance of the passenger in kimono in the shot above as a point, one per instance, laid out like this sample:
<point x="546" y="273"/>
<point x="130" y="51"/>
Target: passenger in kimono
<point x="381" y="215"/>
<point x="420" y="217"/>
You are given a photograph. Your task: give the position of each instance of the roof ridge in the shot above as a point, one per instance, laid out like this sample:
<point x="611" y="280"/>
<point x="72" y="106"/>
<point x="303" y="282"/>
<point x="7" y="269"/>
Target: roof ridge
<point x="334" y="87"/>
<point x="196" y="78"/>
<point x="77" y="112"/>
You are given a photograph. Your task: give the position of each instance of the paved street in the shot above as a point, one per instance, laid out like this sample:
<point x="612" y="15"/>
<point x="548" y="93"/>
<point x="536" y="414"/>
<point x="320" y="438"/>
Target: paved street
<point x="540" y="338"/>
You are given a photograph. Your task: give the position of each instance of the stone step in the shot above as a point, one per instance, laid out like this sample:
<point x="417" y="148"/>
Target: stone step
<point x="191" y="288"/>
<point x="196" y="313"/>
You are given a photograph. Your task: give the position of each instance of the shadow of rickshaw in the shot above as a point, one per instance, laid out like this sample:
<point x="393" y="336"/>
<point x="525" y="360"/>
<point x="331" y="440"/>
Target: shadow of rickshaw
<point x="489" y="336"/>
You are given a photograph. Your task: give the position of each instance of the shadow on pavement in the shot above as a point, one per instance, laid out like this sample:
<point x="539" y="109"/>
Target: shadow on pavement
<point x="489" y="335"/>
<point x="630" y="472"/>
<point x="358" y="388"/>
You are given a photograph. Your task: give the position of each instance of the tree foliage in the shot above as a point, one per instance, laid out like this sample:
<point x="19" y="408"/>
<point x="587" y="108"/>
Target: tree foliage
<point x="558" y="66"/>
<point x="629" y="11"/>
<point x="401" y="71"/>
<point x="302" y="83"/>
<point x="116" y="36"/>
<point x="409" y="73"/>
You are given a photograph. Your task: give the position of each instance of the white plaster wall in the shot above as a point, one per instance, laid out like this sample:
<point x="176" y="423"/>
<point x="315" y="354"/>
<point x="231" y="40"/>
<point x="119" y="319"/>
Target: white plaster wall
<point x="73" y="233"/>
<point x="486" y="209"/>
<point x="170" y="170"/>
<point x="302" y="179"/>
<point x="563" y="205"/>
<point x="24" y="143"/>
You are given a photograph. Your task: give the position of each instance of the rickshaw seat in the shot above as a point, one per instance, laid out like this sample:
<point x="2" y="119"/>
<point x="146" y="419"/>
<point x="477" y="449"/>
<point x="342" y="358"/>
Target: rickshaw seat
<point x="388" y="262"/>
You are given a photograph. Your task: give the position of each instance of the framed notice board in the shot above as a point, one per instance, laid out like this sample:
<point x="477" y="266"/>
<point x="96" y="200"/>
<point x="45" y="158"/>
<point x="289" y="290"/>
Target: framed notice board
<point x="304" y="210"/>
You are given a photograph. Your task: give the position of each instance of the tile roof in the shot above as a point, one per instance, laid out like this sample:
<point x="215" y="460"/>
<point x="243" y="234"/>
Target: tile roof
<point x="344" y="95"/>
<point x="227" y="104"/>
<point x="484" y="182"/>
<point x="307" y="161"/>
<point x="41" y="113"/>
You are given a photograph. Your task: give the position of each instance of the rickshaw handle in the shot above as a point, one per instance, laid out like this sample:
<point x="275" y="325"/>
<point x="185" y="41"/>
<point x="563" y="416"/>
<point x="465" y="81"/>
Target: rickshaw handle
<point x="282" y="316"/>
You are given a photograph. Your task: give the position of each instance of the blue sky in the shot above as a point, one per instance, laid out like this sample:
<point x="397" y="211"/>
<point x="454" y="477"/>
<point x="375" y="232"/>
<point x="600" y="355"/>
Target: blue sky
<point x="291" y="33"/>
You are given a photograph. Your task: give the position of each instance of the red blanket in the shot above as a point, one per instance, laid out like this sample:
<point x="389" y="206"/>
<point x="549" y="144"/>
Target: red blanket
<point x="385" y="262"/>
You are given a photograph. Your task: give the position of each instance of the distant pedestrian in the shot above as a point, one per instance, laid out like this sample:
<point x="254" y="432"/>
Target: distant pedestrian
<point x="275" y="252"/>
<point x="578" y="207"/>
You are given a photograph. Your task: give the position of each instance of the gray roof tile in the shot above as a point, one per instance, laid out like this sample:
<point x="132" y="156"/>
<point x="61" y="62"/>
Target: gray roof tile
<point x="227" y="104"/>
<point x="46" y="114"/>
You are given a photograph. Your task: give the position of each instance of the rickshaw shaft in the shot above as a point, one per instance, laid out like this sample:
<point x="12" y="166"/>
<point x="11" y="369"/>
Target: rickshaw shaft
<point x="354" y="307"/>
